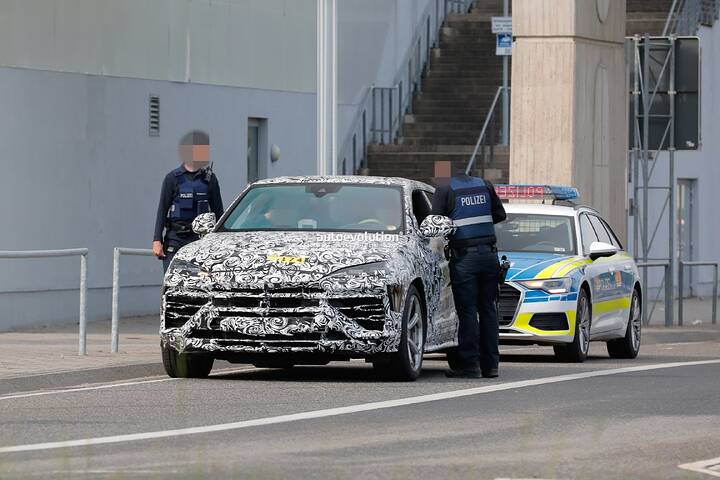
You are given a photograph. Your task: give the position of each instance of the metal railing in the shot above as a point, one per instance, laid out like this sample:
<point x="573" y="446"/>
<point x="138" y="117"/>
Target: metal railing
<point x="71" y="252"/>
<point x="681" y="281"/>
<point x="685" y="16"/>
<point x="488" y="135"/>
<point x="668" y="294"/>
<point x="115" y="322"/>
<point x="380" y="112"/>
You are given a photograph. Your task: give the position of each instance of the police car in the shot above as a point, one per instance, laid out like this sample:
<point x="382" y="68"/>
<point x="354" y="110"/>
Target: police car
<point x="570" y="281"/>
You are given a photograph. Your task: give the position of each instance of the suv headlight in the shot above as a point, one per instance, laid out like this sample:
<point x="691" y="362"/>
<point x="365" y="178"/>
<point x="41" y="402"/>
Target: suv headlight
<point x="188" y="268"/>
<point x="551" y="285"/>
<point x="372" y="268"/>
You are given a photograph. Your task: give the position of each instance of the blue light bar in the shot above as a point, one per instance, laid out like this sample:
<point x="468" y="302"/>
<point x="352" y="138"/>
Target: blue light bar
<point x="537" y="192"/>
<point x="564" y="193"/>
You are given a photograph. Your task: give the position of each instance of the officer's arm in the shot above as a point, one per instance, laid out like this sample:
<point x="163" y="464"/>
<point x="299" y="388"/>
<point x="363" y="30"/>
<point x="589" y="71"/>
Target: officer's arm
<point x="498" y="210"/>
<point x="166" y="194"/>
<point x="441" y="201"/>
<point x="216" y="205"/>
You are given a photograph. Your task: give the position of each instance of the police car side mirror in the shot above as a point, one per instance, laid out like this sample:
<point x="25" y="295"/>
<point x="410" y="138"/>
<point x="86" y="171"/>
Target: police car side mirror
<point x="436" y="226"/>
<point x="204" y="223"/>
<point x="602" y="249"/>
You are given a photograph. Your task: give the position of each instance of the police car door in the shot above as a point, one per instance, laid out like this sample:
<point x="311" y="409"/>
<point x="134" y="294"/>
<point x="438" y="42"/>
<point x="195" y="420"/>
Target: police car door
<point x="621" y="276"/>
<point x="598" y="276"/>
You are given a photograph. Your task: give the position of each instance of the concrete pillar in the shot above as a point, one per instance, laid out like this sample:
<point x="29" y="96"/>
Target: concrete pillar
<point x="569" y="101"/>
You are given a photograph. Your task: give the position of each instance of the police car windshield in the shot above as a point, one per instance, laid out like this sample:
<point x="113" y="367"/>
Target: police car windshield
<point x="523" y="232"/>
<point x="319" y="207"/>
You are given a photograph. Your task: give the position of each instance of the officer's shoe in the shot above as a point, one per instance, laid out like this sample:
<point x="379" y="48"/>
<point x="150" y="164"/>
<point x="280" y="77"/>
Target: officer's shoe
<point x="464" y="373"/>
<point x="490" y="373"/>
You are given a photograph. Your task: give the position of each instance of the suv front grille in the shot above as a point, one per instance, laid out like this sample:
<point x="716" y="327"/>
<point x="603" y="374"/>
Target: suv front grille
<point x="368" y="312"/>
<point x="508" y="300"/>
<point x="180" y="307"/>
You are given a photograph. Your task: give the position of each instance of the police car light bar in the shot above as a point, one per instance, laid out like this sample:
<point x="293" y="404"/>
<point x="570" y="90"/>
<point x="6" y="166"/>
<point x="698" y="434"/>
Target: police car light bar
<point x="536" y="192"/>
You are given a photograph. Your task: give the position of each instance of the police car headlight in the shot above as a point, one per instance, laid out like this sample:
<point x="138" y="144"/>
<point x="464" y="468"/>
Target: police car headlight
<point x="188" y="269"/>
<point x="370" y="269"/>
<point x="550" y="285"/>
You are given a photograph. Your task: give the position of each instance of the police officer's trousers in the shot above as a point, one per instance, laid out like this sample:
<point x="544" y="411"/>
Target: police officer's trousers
<point x="474" y="276"/>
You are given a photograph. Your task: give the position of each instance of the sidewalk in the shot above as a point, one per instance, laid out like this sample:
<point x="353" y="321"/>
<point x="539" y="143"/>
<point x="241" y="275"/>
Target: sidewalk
<point x="54" y="349"/>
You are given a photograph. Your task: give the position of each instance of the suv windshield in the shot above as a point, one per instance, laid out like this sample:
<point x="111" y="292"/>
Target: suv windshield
<point x="318" y="206"/>
<point x="524" y="232"/>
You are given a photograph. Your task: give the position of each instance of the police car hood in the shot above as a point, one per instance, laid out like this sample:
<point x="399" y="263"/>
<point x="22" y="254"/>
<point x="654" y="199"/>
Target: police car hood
<point x="526" y="265"/>
<point x="288" y="257"/>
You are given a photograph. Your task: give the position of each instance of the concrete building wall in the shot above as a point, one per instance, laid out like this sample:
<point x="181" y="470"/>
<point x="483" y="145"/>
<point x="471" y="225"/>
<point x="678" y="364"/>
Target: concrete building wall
<point x="568" y="100"/>
<point x="374" y="39"/>
<point x="267" y="44"/>
<point x="83" y="172"/>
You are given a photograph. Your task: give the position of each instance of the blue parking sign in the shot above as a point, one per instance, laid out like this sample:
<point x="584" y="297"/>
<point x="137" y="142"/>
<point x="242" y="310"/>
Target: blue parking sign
<point x="503" y="44"/>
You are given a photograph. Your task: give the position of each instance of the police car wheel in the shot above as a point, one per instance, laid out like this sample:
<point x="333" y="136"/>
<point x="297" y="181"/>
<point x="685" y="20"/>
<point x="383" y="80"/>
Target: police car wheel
<point x="629" y="345"/>
<point x="184" y="365"/>
<point x="577" y="350"/>
<point x="406" y="364"/>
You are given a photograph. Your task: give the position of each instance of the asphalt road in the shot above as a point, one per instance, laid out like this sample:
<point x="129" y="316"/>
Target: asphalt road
<point x="540" y="419"/>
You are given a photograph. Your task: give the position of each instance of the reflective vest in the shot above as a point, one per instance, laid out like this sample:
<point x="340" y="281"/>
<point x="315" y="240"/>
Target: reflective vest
<point x="190" y="197"/>
<point x="472" y="212"/>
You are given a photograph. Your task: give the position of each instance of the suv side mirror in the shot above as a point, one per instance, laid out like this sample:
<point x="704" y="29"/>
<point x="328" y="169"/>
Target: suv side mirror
<point x="602" y="249"/>
<point x="204" y="223"/>
<point x="437" y="226"/>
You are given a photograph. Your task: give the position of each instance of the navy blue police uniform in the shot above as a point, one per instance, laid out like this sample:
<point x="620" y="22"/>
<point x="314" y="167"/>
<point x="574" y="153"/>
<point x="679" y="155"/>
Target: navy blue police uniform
<point x="474" y="207"/>
<point x="184" y="196"/>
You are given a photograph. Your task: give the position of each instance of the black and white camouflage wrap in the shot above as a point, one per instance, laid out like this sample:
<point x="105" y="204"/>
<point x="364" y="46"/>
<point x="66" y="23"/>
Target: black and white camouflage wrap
<point x="204" y="223"/>
<point x="234" y="279"/>
<point x="437" y="226"/>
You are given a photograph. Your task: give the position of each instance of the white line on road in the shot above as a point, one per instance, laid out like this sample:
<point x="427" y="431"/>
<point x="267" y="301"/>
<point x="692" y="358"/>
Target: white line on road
<point x="708" y="467"/>
<point x="112" y="385"/>
<point x="332" y="412"/>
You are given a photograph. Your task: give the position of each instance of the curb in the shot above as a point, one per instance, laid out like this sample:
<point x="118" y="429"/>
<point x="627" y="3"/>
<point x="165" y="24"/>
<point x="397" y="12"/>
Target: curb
<point x="79" y="377"/>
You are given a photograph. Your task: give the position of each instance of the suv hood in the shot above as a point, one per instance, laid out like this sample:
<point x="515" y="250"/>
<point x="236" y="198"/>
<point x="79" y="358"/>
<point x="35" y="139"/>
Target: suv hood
<point x="250" y="258"/>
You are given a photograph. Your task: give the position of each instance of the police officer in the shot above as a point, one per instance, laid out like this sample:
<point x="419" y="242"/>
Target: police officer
<point x="474" y="207"/>
<point x="187" y="191"/>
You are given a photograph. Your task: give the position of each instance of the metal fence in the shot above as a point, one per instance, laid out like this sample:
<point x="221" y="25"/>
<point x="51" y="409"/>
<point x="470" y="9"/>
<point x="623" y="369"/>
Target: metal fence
<point x="380" y="112"/>
<point x="115" y="322"/>
<point x="668" y="293"/>
<point x="681" y="281"/>
<point x="72" y="252"/>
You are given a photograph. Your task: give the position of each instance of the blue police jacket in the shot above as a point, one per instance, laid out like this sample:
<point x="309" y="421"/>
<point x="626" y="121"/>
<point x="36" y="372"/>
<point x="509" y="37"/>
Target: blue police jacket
<point x="472" y="212"/>
<point x="191" y="197"/>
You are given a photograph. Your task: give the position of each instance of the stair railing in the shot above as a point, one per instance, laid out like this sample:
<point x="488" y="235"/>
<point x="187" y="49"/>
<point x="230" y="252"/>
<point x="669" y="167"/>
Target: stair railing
<point x="488" y="135"/>
<point x="379" y="116"/>
<point x="685" y="16"/>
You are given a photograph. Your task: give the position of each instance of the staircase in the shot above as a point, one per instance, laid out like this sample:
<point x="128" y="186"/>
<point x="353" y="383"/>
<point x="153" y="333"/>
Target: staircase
<point x="458" y="89"/>
<point x="449" y="111"/>
<point x="646" y="16"/>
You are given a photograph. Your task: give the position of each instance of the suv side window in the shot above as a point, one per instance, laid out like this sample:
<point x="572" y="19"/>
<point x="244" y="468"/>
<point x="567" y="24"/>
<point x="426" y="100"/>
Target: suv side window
<point x="600" y="229"/>
<point x="587" y="233"/>
<point x="420" y="206"/>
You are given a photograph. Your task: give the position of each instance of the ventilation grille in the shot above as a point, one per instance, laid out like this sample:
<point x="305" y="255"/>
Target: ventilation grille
<point x="154" y="124"/>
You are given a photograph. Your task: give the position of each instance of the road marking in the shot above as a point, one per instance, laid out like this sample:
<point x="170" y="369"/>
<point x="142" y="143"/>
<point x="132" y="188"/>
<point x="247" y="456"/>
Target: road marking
<point x="112" y="385"/>
<point x="708" y="467"/>
<point x="332" y="412"/>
